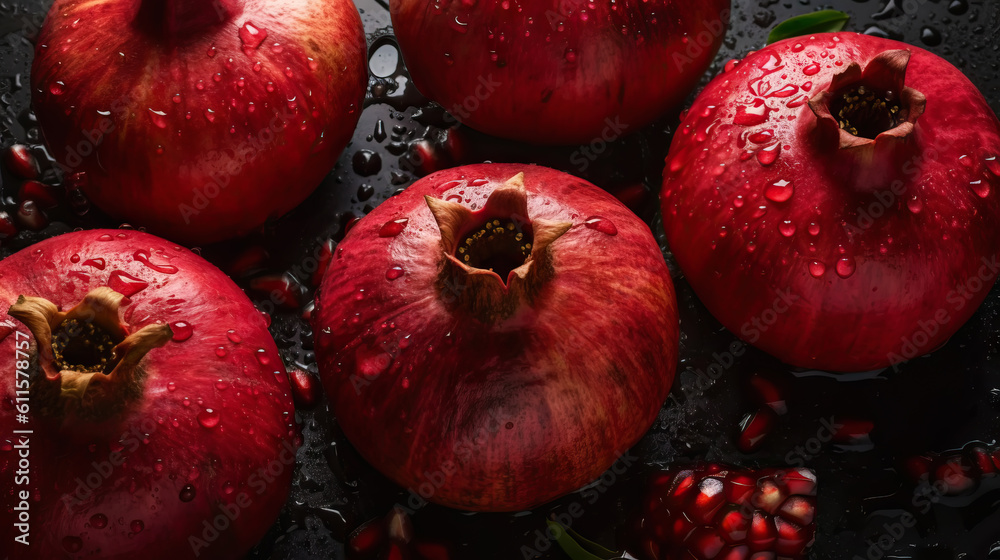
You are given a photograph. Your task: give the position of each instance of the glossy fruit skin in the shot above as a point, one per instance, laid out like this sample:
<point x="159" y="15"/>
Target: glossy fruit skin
<point x="558" y="72"/>
<point x="190" y="131"/>
<point x="135" y="466"/>
<point x="506" y="416"/>
<point x="845" y="275"/>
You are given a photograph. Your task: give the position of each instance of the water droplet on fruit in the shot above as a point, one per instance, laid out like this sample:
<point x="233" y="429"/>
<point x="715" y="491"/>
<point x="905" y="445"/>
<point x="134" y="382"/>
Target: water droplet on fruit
<point x="786" y="91"/>
<point x="780" y="191"/>
<point x="981" y="188"/>
<point x="262" y="357"/>
<point x="182" y="331"/>
<point x="914" y="204"/>
<point x="187" y="493"/>
<point x="233" y="337"/>
<point x="158" y="118"/>
<point x="72" y="544"/>
<point x="993" y="165"/>
<point x="786" y="228"/>
<point x="57" y="88"/>
<point x="811" y="70"/>
<point x="602" y="225"/>
<point x="845" y="267"/>
<point x="817" y="269"/>
<point x="797" y="47"/>
<point x="767" y="156"/>
<point x="752" y="115"/>
<point x="220" y="351"/>
<point x="251" y="36"/>
<point x="136" y="526"/>
<point x="142" y="256"/>
<point x="393" y="228"/>
<point x="126" y="284"/>
<point x="762" y="137"/>
<point x="98" y="521"/>
<point x="209" y="418"/>
<point x="394" y="273"/>
<point x="171" y="386"/>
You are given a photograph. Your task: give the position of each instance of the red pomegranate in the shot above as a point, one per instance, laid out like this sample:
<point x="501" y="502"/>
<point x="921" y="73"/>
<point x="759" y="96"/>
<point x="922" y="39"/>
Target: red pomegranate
<point x="497" y="335"/>
<point x="154" y="409"/>
<point x="558" y="71"/>
<point x="833" y="200"/>
<point x="199" y="119"/>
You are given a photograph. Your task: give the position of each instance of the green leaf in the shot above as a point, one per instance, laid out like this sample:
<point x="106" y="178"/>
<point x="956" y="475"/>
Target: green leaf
<point x="577" y="547"/>
<point x="823" y="21"/>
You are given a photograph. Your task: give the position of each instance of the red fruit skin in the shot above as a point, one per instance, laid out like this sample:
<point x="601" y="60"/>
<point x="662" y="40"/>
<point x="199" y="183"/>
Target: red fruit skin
<point x="505" y="417"/>
<point x="897" y="304"/>
<point x="128" y="485"/>
<point x="181" y="174"/>
<point x="565" y="72"/>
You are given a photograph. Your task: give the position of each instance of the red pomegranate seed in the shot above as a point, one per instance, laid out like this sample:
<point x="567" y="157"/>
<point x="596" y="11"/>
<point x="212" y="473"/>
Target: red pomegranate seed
<point x="741" y="552"/>
<point x="768" y="497"/>
<point x="755" y="429"/>
<point x="800" y="510"/>
<point x="739" y="488"/>
<point x="734" y="525"/>
<point x="980" y="457"/>
<point x="684" y="481"/>
<point x="769" y="394"/>
<point x="283" y="290"/>
<point x="21" y="162"/>
<point x="40" y="193"/>
<point x="792" y="539"/>
<point x="323" y="262"/>
<point x="7" y="227"/>
<point x="707" y="501"/>
<point x="30" y="216"/>
<point x="367" y="540"/>
<point x="249" y="261"/>
<point x="763" y="533"/>
<point x="395" y="552"/>
<point x="704" y="544"/>
<point x="956" y="474"/>
<point x="305" y="388"/>
<point x="917" y="468"/>
<point x="800" y="481"/>
<point x="431" y="551"/>
<point x="853" y="431"/>
<point x="681" y="529"/>
<point x="762" y="555"/>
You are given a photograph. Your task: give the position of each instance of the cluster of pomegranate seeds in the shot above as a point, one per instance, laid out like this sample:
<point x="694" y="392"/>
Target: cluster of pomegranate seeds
<point x="712" y="511"/>
<point x="392" y="538"/>
<point x="956" y="472"/>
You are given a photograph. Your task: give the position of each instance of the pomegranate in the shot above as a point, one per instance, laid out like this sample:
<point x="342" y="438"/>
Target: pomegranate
<point x="832" y="200"/>
<point x="496" y="335"/>
<point x="156" y="410"/>
<point x="199" y="120"/>
<point x="717" y="511"/>
<point x="558" y="71"/>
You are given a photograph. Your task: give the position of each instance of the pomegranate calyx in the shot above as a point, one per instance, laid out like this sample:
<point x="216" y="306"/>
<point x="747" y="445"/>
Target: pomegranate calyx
<point x="89" y="361"/>
<point x="482" y="248"/>
<point x="870" y="115"/>
<point x="180" y="18"/>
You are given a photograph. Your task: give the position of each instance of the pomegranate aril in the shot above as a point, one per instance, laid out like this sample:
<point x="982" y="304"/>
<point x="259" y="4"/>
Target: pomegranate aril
<point x="709" y="499"/>
<point x="956" y="475"/>
<point x="801" y="482"/>
<point x="755" y="429"/>
<point x="739" y="488"/>
<point x="40" y="193"/>
<point x="367" y="541"/>
<point x="21" y="162"/>
<point x="918" y="468"/>
<point x="792" y="539"/>
<point x="7" y="227"/>
<point x="30" y="216"/>
<point x="681" y="529"/>
<point x="431" y="551"/>
<point x="853" y="431"/>
<point x="763" y="533"/>
<point x="305" y="388"/>
<point x="980" y="457"/>
<point x="684" y="482"/>
<point x="769" y="394"/>
<point x="400" y="527"/>
<point x="800" y="510"/>
<point x="762" y="555"/>
<point x="734" y="525"/>
<point x="704" y="544"/>
<point x="769" y="496"/>
<point x="741" y="552"/>
<point x="396" y="551"/>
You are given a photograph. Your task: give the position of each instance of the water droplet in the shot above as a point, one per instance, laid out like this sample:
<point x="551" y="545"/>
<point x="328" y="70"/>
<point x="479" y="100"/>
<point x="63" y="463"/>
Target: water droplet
<point x="171" y="386"/>
<point x="136" y="526"/>
<point x="228" y="488"/>
<point x="767" y="156"/>
<point x="220" y="351"/>
<point x="393" y="228"/>
<point x="817" y="269"/>
<point x="915" y="204"/>
<point x="262" y="357"/>
<point x="602" y="225"/>
<point x="142" y="256"/>
<point x="813" y="229"/>
<point x="930" y="36"/>
<point x="182" y="331"/>
<point x="251" y="36"/>
<point x="126" y="284"/>
<point x="752" y="115"/>
<point x="394" y="273"/>
<point x="187" y="493"/>
<point x="786" y="91"/>
<point x="993" y="164"/>
<point x="98" y="521"/>
<point x="786" y="228"/>
<point x="159" y="118"/>
<point x="210" y="115"/>
<point x="780" y="191"/>
<point x="72" y="544"/>
<point x="233" y="337"/>
<point x="845" y="267"/>
<point x="982" y="188"/>
<point x="570" y="56"/>
<point x="811" y="70"/>
<point x="366" y="163"/>
<point x="57" y="88"/>
<point x="209" y="418"/>
<point x="798" y="47"/>
<point x="762" y="137"/>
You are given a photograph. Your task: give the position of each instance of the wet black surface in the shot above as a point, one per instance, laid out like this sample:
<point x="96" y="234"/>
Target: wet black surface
<point x="932" y="404"/>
